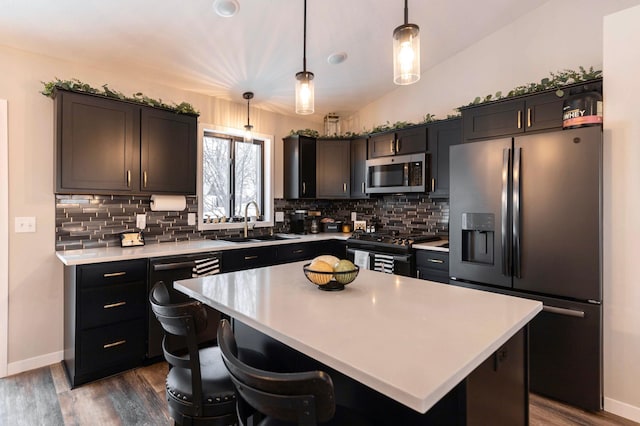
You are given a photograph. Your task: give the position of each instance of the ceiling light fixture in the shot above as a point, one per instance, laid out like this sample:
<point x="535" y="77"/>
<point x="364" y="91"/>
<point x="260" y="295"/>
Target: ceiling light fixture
<point x="248" y="136"/>
<point x="406" y="51"/>
<point x="226" y="8"/>
<point x="304" y="79"/>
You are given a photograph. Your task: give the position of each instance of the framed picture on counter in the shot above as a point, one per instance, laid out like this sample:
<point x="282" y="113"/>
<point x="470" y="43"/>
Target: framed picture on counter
<point x="131" y="239"/>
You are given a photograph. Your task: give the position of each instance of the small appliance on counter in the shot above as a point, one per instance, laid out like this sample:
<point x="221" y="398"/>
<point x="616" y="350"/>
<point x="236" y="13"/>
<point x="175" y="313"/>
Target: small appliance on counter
<point x="297" y="221"/>
<point x="315" y="224"/>
<point x="331" y="225"/>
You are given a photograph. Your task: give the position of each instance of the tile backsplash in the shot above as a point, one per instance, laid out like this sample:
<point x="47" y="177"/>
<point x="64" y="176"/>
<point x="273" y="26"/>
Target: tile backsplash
<point x="90" y="221"/>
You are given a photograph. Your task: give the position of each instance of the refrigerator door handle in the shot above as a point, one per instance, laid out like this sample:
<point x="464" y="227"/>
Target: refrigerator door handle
<point x="504" y="212"/>
<point x="563" y="311"/>
<point x="516" y="214"/>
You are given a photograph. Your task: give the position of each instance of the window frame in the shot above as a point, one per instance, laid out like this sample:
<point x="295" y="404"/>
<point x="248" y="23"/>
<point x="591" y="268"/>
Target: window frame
<point x="266" y="208"/>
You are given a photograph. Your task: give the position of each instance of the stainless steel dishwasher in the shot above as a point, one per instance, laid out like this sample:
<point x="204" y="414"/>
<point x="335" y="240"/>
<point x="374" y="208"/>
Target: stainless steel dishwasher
<point x="174" y="268"/>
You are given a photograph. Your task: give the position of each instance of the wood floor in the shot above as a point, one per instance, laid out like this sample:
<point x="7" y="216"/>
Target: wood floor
<point x="43" y="397"/>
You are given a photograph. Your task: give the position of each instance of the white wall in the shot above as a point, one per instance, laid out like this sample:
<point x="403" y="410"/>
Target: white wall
<point x="558" y="35"/>
<point x="35" y="334"/>
<point x="622" y="205"/>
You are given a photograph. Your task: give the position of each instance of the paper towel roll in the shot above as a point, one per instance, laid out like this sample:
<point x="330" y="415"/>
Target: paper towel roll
<point x="168" y="202"/>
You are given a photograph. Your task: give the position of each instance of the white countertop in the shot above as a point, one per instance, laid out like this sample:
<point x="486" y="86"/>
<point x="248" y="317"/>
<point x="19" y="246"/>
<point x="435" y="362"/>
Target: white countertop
<point x="409" y="339"/>
<point x="432" y="245"/>
<point x="112" y="254"/>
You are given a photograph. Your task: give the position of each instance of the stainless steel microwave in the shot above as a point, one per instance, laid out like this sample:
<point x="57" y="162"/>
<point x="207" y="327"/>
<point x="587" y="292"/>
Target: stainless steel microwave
<point x="396" y="174"/>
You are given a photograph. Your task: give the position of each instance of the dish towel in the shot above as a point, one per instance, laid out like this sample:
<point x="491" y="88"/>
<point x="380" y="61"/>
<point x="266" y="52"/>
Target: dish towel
<point x="204" y="267"/>
<point x="361" y="259"/>
<point x="383" y="263"/>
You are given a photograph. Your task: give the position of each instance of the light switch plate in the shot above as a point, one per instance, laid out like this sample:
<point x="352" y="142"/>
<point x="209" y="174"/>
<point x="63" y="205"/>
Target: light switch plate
<point x="25" y="224"/>
<point x="191" y="219"/>
<point x="141" y="221"/>
<point x="279" y="216"/>
<point x="354" y="216"/>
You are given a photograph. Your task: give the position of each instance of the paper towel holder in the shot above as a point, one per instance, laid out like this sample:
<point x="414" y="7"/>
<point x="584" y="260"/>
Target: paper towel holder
<point x="168" y="202"/>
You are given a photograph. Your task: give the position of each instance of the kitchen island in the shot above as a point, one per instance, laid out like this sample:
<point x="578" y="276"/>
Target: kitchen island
<point x="415" y="342"/>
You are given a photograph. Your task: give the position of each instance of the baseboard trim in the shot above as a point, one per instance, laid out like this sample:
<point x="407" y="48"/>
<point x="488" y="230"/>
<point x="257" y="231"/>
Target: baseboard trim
<point x="33" y="363"/>
<point x="622" y="409"/>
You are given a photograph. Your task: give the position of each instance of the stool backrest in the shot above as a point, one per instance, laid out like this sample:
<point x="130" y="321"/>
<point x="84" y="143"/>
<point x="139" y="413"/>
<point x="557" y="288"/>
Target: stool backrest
<point x="305" y="398"/>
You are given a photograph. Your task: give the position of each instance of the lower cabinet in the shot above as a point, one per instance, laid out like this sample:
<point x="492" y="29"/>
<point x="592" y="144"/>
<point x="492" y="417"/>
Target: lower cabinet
<point x="432" y="265"/>
<point x="104" y="319"/>
<point x="251" y="257"/>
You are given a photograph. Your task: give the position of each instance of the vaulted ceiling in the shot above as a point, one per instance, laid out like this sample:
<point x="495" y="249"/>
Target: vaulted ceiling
<point x="186" y="44"/>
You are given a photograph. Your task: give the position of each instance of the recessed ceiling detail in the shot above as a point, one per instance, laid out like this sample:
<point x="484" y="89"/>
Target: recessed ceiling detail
<point x="226" y="8"/>
<point x="337" y="58"/>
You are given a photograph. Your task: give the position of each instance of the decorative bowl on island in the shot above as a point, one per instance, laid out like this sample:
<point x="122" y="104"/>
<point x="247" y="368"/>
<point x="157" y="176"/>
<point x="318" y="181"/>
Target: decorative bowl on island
<point x="330" y="273"/>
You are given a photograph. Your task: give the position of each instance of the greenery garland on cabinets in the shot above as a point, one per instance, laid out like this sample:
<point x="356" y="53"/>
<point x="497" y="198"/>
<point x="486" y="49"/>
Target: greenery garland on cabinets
<point x="76" y="85"/>
<point x="556" y="81"/>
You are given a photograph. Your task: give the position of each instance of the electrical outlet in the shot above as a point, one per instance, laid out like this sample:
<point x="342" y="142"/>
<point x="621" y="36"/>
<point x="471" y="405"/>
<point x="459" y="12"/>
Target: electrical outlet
<point x="141" y="221"/>
<point x="191" y="219"/>
<point x="279" y="216"/>
<point x="25" y="224"/>
<point x="354" y="216"/>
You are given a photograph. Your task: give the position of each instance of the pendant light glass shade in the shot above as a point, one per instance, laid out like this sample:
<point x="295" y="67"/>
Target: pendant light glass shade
<point x="248" y="135"/>
<point x="304" y="79"/>
<point x="406" y="52"/>
<point x="304" y="93"/>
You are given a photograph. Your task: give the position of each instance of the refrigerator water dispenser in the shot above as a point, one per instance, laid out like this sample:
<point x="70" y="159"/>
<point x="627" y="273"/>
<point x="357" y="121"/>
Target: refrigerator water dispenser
<point x="478" y="235"/>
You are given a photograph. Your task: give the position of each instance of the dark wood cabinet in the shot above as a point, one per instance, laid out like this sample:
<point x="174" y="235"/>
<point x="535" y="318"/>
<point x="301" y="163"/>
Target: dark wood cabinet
<point x="97" y="144"/>
<point x="168" y="152"/>
<point x="509" y="117"/>
<point x="333" y="168"/>
<point x="359" y="168"/>
<point x="104" y="319"/>
<point x="399" y="142"/>
<point x="107" y="146"/>
<point x="432" y="265"/>
<point x="247" y="258"/>
<point x="299" y="167"/>
<point x="442" y="135"/>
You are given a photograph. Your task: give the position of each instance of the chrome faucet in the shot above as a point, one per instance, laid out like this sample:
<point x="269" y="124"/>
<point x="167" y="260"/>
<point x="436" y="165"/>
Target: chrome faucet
<point x="246" y="209"/>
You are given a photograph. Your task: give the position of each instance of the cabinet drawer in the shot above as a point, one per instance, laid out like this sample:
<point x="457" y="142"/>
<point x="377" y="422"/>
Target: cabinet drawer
<point x="432" y="260"/>
<point x="114" y="344"/>
<point x="432" y="275"/>
<point x="295" y="252"/>
<point x="237" y="260"/>
<point x="110" y="304"/>
<point x="112" y="272"/>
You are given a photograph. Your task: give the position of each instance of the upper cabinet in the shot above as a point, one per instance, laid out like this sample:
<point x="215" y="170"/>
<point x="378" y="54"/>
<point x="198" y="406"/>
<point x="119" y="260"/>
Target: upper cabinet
<point x="359" y="168"/>
<point x="333" y="168"/>
<point x="534" y="112"/>
<point x="106" y="146"/>
<point x="299" y="167"/>
<point x="442" y="135"/>
<point x="399" y="142"/>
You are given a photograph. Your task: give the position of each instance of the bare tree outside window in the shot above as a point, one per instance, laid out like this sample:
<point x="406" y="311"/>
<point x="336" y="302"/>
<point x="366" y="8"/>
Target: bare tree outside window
<point x="232" y="175"/>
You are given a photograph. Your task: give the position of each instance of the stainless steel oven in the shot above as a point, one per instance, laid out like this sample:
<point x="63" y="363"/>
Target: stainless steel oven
<point x="385" y="252"/>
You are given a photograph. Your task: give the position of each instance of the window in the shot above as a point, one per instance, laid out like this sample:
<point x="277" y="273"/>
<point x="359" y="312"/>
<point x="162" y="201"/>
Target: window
<point x="233" y="173"/>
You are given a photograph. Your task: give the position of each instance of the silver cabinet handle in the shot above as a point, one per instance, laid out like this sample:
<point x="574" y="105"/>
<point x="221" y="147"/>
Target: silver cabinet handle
<point x="528" y="117"/>
<point x="418" y="273"/>
<point x="391" y="144"/>
<point x="298" y="251"/>
<point x="114" y="305"/>
<point x="250" y="257"/>
<point x="344" y="187"/>
<point x="563" y="311"/>
<point x="304" y="188"/>
<point x="111" y="345"/>
<point x="114" y="274"/>
<point x="363" y="189"/>
<point x="519" y="119"/>
<point x="397" y="145"/>
<point x="144" y="178"/>
<point x="128" y="178"/>
<point x="433" y="184"/>
<point x="435" y="260"/>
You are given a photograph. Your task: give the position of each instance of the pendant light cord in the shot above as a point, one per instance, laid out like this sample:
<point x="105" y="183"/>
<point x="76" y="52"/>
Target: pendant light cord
<point x="406" y="12"/>
<point x="304" y="40"/>
<point x="248" y="123"/>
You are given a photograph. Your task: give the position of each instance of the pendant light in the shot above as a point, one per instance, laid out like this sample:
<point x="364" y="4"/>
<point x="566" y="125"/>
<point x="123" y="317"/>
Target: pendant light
<point x="304" y="79"/>
<point x="248" y="136"/>
<point x="406" y="51"/>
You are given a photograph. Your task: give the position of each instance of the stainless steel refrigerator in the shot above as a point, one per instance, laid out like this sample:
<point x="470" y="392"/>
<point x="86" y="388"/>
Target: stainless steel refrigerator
<point x="526" y="220"/>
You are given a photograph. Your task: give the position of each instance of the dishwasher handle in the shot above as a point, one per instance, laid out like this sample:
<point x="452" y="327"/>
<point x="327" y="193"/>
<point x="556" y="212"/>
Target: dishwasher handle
<point x="173" y="266"/>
